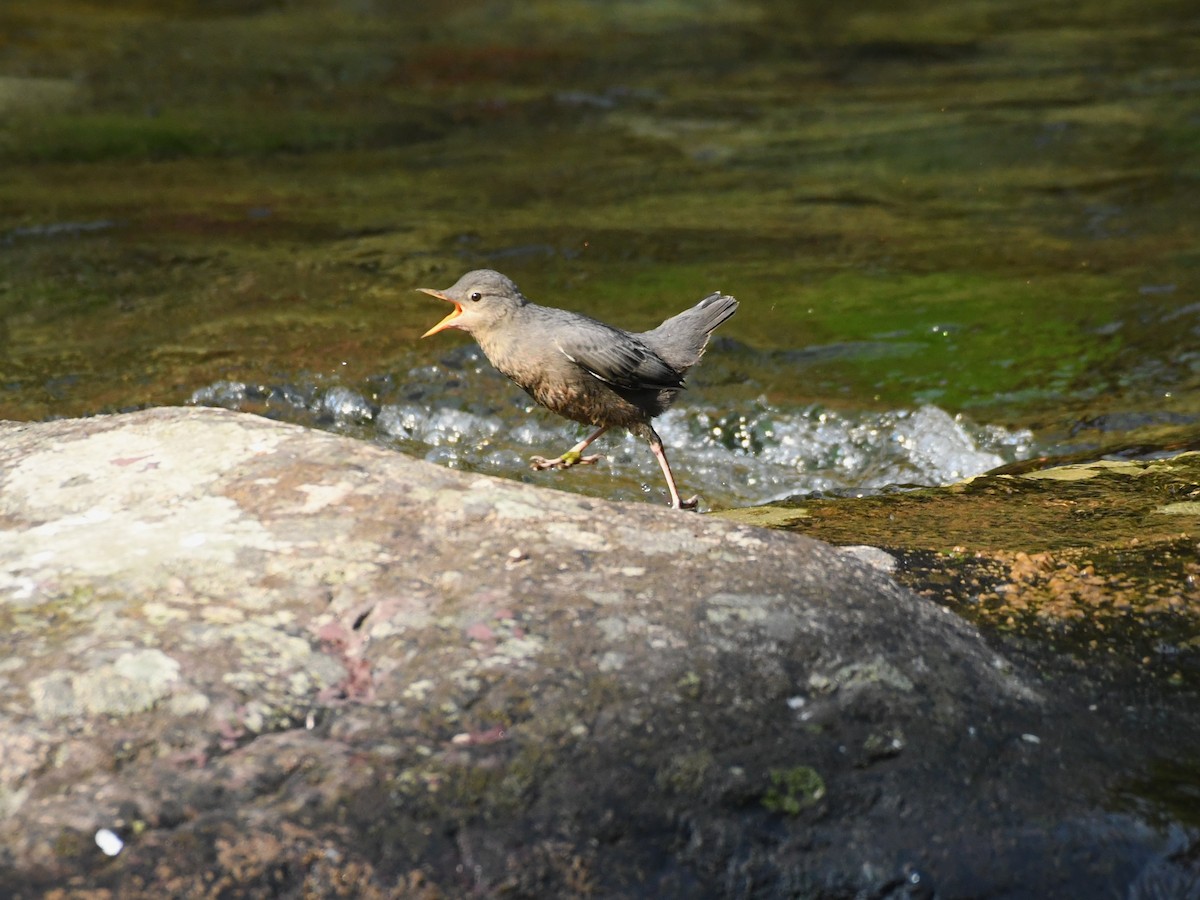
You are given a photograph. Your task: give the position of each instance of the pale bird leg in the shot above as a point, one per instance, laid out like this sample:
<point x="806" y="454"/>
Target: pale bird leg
<point x="572" y="457"/>
<point x="656" y="446"/>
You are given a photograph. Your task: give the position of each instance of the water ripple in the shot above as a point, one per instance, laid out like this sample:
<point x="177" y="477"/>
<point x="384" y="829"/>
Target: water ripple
<point x="754" y="455"/>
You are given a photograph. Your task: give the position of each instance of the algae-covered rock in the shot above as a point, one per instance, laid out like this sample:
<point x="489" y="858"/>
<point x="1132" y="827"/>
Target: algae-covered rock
<point x="1100" y="559"/>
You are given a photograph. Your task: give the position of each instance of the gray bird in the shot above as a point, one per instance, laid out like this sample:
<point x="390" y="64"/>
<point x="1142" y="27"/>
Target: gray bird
<point x="579" y="367"/>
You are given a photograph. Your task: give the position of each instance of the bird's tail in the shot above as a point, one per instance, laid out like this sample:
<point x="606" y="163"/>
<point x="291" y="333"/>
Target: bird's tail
<point x="681" y="340"/>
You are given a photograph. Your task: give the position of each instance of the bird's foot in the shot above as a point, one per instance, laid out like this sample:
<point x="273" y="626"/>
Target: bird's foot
<point x="568" y="459"/>
<point x="690" y="503"/>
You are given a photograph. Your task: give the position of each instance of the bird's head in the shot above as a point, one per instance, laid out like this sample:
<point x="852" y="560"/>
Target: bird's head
<point x="481" y="299"/>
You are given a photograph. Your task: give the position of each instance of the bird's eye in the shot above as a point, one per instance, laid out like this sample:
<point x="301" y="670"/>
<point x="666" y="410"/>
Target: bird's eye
<point x="476" y="296"/>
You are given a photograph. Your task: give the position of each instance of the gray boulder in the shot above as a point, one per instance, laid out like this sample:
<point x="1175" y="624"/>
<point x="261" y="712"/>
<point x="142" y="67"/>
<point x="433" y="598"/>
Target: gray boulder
<point x="243" y="658"/>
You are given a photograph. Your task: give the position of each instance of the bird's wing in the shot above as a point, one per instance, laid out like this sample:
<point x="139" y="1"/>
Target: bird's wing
<point x="618" y="359"/>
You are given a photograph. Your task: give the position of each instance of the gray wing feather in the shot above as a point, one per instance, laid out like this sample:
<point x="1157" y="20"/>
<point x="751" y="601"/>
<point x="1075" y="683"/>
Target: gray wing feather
<point x="619" y="359"/>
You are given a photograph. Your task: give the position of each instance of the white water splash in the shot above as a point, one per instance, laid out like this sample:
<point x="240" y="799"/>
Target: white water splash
<point x="754" y="456"/>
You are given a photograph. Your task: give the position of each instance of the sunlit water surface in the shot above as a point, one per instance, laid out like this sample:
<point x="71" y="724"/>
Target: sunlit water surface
<point x="745" y="454"/>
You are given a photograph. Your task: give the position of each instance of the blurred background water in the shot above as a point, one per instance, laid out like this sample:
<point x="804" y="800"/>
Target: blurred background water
<point x="962" y="234"/>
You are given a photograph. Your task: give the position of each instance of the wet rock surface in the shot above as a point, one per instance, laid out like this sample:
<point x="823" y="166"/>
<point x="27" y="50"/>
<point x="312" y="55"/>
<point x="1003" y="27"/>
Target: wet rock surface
<point x="277" y="662"/>
<point x="1091" y="564"/>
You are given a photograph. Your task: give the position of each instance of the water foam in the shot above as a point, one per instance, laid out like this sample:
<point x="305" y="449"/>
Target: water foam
<point x="759" y="454"/>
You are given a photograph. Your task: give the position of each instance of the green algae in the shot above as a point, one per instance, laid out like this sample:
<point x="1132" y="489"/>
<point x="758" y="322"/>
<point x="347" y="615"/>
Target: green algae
<point x="1088" y="505"/>
<point x="794" y="790"/>
<point x="1170" y="788"/>
<point x="960" y="205"/>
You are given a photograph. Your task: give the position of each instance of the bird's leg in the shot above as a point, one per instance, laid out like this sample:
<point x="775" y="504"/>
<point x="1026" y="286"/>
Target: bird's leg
<point x="572" y="457"/>
<point x="656" y="447"/>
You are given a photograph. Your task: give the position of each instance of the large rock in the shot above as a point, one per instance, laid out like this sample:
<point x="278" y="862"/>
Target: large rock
<point x="275" y="662"/>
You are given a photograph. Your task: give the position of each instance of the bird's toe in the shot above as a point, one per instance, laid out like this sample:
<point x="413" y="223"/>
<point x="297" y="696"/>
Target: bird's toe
<point x="568" y="459"/>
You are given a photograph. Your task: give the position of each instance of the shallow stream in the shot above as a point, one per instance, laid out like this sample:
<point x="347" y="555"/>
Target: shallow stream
<point x="962" y="234"/>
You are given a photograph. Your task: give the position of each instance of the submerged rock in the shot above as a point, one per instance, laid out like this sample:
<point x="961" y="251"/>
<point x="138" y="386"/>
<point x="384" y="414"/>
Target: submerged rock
<point x="246" y="658"/>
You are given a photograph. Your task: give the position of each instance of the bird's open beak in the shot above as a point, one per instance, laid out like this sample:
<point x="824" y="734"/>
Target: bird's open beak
<point x="447" y="322"/>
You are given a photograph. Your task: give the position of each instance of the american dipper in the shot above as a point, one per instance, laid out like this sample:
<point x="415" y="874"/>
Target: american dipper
<point x="581" y="368"/>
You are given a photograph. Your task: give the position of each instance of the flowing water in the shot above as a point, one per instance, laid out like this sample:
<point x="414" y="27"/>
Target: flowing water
<point x="962" y="234"/>
<point x="756" y="453"/>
